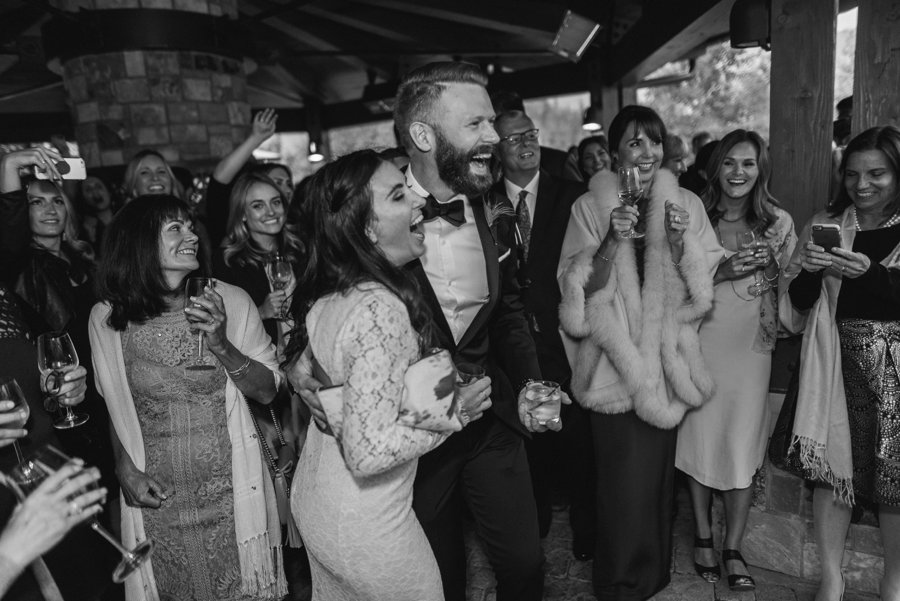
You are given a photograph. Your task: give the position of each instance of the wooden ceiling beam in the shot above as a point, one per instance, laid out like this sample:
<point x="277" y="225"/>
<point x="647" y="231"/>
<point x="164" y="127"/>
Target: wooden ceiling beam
<point x="537" y="20"/>
<point x="367" y="25"/>
<point x="665" y="32"/>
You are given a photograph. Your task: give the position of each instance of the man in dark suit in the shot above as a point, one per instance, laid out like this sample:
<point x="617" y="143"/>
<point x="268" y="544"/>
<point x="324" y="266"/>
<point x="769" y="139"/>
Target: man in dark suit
<point x="542" y="204"/>
<point x="444" y="119"/>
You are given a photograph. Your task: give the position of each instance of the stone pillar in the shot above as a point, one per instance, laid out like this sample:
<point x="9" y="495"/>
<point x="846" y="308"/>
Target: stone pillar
<point x="139" y="88"/>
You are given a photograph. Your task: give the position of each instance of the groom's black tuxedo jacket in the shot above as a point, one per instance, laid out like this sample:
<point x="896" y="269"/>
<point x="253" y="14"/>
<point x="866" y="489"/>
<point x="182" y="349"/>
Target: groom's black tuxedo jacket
<point x="498" y="337"/>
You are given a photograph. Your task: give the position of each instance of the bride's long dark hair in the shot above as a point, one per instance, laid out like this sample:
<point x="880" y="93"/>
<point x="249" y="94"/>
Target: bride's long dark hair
<point x="336" y="209"/>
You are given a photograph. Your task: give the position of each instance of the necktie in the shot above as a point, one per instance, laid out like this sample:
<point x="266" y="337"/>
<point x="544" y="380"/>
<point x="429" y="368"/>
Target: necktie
<point x="523" y="218"/>
<point x="452" y="212"/>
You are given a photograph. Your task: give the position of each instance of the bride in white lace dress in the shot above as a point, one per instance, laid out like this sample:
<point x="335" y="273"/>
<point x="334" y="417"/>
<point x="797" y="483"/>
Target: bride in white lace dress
<point x="352" y="493"/>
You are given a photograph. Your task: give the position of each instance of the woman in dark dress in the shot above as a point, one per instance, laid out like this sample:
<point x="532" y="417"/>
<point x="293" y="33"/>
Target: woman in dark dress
<point x="256" y="233"/>
<point x="631" y="309"/>
<point x="847" y="300"/>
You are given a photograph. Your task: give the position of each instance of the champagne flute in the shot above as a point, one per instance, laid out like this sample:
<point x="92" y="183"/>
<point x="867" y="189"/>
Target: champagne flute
<point x="10" y="391"/>
<point x="747" y="240"/>
<point x="196" y="287"/>
<point x="279" y="273"/>
<point x="630" y="192"/>
<point x="56" y="357"/>
<point x="46" y="460"/>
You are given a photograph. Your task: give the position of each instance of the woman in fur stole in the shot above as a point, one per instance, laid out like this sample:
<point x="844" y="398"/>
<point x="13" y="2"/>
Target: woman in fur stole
<point x="630" y="311"/>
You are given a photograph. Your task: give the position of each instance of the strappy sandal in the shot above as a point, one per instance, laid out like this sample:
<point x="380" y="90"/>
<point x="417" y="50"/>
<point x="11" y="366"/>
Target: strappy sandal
<point x="737" y="582"/>
<point x="709" y="573"/>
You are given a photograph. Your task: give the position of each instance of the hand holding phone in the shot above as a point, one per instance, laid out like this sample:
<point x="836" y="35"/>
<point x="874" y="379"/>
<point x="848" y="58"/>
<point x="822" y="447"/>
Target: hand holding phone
<point x="826" y="235"/>
<point x="68" y="168"/>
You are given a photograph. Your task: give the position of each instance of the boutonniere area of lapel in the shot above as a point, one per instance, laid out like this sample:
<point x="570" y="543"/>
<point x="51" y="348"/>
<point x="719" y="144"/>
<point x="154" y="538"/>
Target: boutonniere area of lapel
<point x="495" y="213"/>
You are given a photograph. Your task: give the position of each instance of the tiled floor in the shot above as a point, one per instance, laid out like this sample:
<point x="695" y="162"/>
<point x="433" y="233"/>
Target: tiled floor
<point x="570" y="580"/>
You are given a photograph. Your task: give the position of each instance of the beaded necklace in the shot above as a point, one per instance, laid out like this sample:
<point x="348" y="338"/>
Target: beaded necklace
<point x="892" y="221"/>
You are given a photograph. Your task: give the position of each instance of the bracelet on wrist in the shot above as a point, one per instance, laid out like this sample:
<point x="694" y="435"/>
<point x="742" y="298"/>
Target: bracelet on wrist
<point x="240" y="372"/>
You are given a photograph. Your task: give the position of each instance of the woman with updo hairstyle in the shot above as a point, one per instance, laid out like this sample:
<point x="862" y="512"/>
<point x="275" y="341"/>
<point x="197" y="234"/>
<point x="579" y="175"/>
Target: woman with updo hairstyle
<point x="630" y="312"/>
<point x="366" y="323"/>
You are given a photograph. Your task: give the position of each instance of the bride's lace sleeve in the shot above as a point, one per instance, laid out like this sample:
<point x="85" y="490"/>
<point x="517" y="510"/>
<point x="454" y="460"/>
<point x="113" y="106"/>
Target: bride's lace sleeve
<point x="377" y="344"/>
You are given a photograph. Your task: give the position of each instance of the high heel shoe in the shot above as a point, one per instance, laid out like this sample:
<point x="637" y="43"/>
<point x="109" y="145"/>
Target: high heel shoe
<point x="711" y="574"/>
<point x="737" y="582"/>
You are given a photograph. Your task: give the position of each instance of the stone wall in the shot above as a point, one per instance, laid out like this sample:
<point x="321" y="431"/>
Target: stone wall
<point x="190" y="106"/>
<point x="779" y="534"/>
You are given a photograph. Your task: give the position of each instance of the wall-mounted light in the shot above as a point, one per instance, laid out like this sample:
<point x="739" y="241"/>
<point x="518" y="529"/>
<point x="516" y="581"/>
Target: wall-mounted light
<point x="749" y="24"/>
<point x="574" y="35"/>
<point x="315" y="154"/>
<point x="593" y="119"/>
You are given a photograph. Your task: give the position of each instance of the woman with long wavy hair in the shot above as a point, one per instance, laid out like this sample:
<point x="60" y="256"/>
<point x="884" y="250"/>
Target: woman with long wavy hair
<point x="722" y="444"/>
<point x="366" y="323"/>
<point x="256" y="234"/>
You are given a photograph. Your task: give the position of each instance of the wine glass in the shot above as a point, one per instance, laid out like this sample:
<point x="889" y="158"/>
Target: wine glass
<point x="10" y="391"/>
<point x="56" y="357"/>
<point x="747" y="240"/>
<point x="279" y="272"/>
<point x="630" y="192"/>
<point x="196" y="287"/>
<point x="467" y="373"/>
<point x="46" y="460"/>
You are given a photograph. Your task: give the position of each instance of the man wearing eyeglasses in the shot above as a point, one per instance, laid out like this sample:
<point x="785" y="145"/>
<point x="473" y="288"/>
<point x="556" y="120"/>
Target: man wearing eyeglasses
<point x="542" y="203"/>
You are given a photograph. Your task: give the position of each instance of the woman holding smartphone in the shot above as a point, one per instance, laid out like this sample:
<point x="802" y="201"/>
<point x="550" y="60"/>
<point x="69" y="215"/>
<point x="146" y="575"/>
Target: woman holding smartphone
<point x="847" y="299"/>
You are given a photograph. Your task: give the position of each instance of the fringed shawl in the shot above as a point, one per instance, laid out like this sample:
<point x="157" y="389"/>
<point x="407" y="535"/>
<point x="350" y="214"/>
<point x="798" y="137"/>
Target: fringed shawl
<point x="256" y="524"/>
<point x="821" y="424"/>
<point x="633" y="345"/>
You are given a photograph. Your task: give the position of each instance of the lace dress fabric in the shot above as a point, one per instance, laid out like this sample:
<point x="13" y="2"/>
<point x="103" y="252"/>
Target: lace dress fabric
<point x="352" y="497"/>
<point x="182" y="419"/>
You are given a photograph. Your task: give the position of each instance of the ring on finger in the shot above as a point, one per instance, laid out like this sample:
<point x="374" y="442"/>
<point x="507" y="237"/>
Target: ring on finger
<point x="74" y="509"/>
<point x="676" y="219"/>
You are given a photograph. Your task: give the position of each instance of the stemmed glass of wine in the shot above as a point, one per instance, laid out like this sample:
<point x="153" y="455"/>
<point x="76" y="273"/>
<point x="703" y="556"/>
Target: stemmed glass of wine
<point x="279" y="272"/>
<point x="10" y="391"/>
<point x="196" y="287"/>
<point x="630" y="192"/>
<point x="47" y="460"/>
<point x="57" y="357"/>
<point x="747" y="240"/>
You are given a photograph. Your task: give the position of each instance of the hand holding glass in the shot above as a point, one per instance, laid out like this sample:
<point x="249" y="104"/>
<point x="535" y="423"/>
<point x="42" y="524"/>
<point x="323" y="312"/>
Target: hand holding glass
<point x="47" y="460"/>
<point x="279" y="273"/>
<point x="748" y="241"/>
<point x="543" y="401"/>
<point x="630" y="192"/>
<point x="196" y="287"/>
<point x="466" y="373"/>
<point x="57" y="357"/>
<point x="10" y="391"/>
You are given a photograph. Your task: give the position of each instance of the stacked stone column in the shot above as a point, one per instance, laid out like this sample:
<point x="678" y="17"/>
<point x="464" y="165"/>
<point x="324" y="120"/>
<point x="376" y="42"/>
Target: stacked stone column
<point x="189" y="105"/>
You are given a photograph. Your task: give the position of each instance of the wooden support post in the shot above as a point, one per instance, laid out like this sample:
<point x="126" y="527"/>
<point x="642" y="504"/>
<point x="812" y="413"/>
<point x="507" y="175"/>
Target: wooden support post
<point x="876" y="76"/>
<point x="802" y="103"/>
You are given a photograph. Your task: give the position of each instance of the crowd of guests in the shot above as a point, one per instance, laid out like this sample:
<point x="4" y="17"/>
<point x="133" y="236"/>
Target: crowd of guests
<point x="461" y="252"/>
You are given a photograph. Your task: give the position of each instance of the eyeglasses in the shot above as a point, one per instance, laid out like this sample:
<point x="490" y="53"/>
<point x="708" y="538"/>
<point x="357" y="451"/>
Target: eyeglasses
<point x="530" y="135"/>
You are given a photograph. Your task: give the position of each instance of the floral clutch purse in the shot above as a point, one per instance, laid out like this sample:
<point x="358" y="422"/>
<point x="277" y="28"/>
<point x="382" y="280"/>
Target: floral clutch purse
<point x="427" y="402"/>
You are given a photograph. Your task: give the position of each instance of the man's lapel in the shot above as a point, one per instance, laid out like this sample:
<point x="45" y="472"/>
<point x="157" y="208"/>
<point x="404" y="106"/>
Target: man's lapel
<point x="437" y="313"/>
<point x="492" y="264"/>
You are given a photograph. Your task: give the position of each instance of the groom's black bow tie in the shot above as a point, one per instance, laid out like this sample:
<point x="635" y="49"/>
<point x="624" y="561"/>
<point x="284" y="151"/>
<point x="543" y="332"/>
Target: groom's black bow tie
<point x="452" y="212"/>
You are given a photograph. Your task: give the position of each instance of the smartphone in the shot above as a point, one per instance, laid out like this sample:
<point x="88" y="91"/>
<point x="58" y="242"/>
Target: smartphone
<point x="68" y="169"/>
<point x="826" y="235"/>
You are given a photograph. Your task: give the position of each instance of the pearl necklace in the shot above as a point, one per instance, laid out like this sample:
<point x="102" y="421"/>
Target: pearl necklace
<point x="892" y="221"/>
